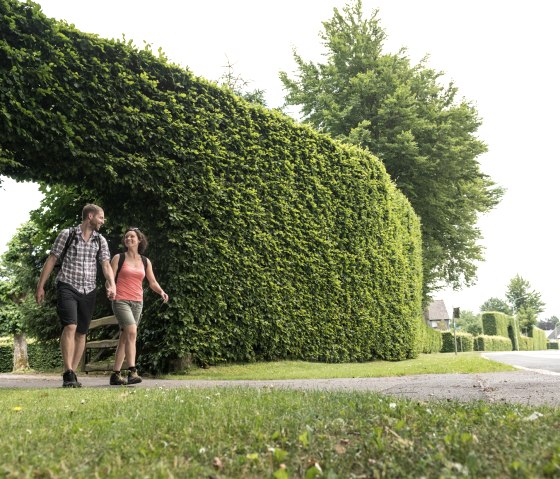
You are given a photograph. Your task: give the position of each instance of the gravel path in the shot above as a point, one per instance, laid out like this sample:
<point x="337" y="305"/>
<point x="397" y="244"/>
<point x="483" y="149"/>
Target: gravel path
<point x="523" y="387"/>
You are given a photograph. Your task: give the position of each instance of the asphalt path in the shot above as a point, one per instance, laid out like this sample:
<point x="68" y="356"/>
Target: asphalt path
<point x="521" y="387"/>
<point x="545" y="362"/>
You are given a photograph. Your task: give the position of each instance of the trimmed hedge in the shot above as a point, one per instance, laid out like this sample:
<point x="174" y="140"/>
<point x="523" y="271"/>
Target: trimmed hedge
<point x="539" y="338"/>
<point x="42" y="356"/>
<point x="429" y="339"/>
<point x="492" y="343"/>
<point x="465" y="342"/>
<point x="526" y="343"/>
<point x="272" y="241"/>
<point x="495" y="323"/>
<point x="552" y="346"/>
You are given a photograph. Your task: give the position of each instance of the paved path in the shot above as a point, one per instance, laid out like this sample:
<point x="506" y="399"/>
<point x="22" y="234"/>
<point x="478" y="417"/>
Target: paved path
<point x="524" y="387"/>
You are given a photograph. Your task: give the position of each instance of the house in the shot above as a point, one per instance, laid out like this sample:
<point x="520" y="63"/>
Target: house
<point x="436" y="315"/>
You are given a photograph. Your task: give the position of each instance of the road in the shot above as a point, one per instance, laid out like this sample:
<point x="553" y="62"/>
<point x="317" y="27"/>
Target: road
<point x="546" y="362"/>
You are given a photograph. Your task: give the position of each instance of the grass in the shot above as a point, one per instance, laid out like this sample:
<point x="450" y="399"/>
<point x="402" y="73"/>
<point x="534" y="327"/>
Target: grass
<point x="268" y="433"/>
<point x="424" y="364"/>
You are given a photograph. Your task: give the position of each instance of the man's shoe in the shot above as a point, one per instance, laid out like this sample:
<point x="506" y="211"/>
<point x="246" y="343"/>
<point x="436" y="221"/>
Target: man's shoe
<point x="78" y="383"/>
<point x="117" y="379"/>
<point x="69" y="380"/>
<point x="133" y="377"/>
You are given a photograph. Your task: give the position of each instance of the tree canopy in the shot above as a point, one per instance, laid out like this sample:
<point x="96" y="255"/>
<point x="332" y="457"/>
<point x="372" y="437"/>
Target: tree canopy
<point x="424" y="135"/>
<point x="496" y="304"/>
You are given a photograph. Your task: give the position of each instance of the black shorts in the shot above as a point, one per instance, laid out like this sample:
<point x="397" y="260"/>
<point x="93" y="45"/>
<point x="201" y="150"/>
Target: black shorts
<point x="74" y="307"/>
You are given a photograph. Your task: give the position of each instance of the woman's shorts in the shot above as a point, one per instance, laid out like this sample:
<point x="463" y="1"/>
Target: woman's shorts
<point x="128" y="313"/>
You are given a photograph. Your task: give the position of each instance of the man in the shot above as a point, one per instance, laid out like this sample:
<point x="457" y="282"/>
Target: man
<point x="75" y="284"/>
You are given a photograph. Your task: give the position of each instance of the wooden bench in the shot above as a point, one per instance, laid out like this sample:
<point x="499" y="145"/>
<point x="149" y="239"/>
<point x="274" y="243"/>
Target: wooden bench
<point x="94" y="350"/>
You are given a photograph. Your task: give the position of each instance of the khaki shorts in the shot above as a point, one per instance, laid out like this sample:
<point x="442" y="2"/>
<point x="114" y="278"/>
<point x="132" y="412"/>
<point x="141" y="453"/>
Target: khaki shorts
<point x="128" y="313"/>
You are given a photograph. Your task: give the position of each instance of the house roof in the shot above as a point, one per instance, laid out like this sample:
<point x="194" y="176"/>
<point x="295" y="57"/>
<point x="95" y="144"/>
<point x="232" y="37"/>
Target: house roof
<point x="436" y="311"/>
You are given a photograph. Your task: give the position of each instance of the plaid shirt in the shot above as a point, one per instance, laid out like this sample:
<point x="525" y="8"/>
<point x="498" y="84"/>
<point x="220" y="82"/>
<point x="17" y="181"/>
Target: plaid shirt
<point x="78" y="268"/>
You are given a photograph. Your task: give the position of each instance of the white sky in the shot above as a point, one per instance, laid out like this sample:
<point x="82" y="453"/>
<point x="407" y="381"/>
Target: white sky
<point x="502" y="55"/>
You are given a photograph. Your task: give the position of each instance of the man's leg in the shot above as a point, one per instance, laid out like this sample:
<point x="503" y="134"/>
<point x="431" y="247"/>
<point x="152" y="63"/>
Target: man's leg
<point x="67" y="345"/>
<point x="79" y="341"/>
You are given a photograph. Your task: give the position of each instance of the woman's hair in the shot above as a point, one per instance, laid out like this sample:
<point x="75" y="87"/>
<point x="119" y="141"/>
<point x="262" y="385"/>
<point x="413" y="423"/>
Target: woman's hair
<point x="142" y="240"/>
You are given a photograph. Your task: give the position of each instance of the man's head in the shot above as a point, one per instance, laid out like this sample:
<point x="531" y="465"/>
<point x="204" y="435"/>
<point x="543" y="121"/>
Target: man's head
<point x="94" y="215"/>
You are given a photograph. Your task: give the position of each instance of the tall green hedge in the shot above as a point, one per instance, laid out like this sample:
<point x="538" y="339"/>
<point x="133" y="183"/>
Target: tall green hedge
<point x="273" y="241"/>
<point x="539" y="338"/>
<point x="495" y="323"/>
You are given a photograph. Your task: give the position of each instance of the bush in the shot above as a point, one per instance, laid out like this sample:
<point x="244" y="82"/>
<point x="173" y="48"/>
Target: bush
<point x="6" y="357"/>
<point x="495" y="324"/>
<point x="44" y="356"/>
<point x="492" y="343"/>
<point x="539" y="338"/>
<point x="464" y="342"/>
<point x="429" y="339"/>
<point x="272" y="240"/>
<point x="550" y="345"/>
<point x="526" y="343"/>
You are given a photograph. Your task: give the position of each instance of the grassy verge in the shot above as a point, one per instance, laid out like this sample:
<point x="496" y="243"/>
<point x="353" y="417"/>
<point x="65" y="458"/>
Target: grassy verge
<point x="267" y="433"/>
<point x="424" y="364"/>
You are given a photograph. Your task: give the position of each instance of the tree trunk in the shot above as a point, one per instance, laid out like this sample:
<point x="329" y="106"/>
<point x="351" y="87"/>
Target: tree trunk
<point x="21" y="361"/>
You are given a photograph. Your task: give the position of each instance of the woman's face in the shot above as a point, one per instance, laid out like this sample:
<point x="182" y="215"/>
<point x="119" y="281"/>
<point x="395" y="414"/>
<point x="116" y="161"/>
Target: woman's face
<point x="131" y="239"/>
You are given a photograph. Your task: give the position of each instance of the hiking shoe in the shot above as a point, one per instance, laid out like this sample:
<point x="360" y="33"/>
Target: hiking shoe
<point x="78" y="383"/>
<point x="133" y="378"/>
<point x="117" y="379"/>
<point x="69" y="380"/>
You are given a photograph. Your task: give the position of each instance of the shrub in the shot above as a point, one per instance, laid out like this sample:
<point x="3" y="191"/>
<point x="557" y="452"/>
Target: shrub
<point x="539" y="338"/>
<point x="492" y="343"/>
<point x="272" y="240"/>
<point x="551" y="345"/>
<point x="464" y="342"/>
<point x="429" y="339"/>
<point x="495" y="323"/>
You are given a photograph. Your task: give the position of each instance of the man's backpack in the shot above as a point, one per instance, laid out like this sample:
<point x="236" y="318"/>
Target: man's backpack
<point x="122" y="257"/>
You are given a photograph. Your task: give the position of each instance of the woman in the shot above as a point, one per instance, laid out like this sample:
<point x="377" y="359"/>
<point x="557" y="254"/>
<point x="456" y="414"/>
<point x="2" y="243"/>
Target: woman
<point x="130" y="268"/>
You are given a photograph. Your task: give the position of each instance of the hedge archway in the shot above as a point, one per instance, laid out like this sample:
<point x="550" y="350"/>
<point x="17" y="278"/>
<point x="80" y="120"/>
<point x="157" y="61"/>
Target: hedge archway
<point x="272" y="240"/>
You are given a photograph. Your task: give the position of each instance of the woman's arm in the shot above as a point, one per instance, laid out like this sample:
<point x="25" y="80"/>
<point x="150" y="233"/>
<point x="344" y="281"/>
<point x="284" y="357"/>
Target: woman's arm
<point x="154" y="285"/>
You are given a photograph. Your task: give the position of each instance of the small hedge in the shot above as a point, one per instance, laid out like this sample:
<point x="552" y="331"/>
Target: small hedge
<point x="539" y="338"/>
<point x="429" y="339"/>
<point x="492" y="343"/>
<point x="464" y="342"/>
<point x="526" y="343"/>
<point x="552" y="346"/>
<point x="42" y="356"/>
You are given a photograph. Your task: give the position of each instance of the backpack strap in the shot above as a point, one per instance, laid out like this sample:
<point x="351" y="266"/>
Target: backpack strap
<point x="121" y="262"/>
<point x="122" y="257"/>
<point x="71" y="236"/>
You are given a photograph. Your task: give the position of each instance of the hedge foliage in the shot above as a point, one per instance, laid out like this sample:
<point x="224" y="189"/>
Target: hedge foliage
<point x="465" y="342"/>
<point x="526" y="343"/>
<point x="42" y="356"/>
<point x="273" y="241"/>
<point x="429" y="339"/>
<point x="552" y="346"/>
<point x="492" y="343"/>
<point x="495" y="323"/>
<point x="539" y="338"/>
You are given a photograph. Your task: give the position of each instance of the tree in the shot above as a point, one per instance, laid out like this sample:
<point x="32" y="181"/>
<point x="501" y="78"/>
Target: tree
<point x="469" y="322"/>
<point x="525" y="302"/>
<point x="239" y="85"/>
<point x="424" y="136"/>
<point x="549" y="323"/>
<point x="496" y="304"/>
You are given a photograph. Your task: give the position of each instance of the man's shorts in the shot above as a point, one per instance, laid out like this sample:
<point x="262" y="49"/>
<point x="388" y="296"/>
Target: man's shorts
<point x="74" y="307"/>
<point x="128" y="313"/>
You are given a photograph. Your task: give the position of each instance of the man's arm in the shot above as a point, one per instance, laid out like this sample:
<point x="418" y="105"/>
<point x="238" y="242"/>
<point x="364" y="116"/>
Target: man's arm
<point x="110" y="279"/>
<point x="45" y="273"/>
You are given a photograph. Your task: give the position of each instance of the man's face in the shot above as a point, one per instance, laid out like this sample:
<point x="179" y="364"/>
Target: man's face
<point x="97" y="221"/>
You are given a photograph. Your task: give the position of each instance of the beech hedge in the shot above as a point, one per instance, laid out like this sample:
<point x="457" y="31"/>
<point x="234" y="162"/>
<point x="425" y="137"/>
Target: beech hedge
<point x="272" y="240"/>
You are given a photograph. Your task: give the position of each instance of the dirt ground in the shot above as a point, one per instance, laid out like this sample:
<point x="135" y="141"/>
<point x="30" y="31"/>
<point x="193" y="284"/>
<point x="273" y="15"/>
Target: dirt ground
<point x="523" y="387"/>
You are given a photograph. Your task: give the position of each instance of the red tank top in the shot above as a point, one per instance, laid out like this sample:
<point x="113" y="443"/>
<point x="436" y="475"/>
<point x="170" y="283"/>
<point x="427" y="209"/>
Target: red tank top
<point x="129" y="283"/>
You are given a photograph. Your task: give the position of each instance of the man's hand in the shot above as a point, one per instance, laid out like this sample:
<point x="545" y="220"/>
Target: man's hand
<point x="39" y="294"/>
<point x="111" y="292"/>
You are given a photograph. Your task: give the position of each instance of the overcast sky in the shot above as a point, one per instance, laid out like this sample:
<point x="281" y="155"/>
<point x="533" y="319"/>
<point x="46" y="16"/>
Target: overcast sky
<point x="502" y="55"/>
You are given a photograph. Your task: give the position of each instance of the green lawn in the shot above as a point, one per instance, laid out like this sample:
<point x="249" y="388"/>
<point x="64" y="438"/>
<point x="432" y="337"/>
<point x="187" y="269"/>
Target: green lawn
<point x="424" y="364"/>
<point x="268" y="433"/>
